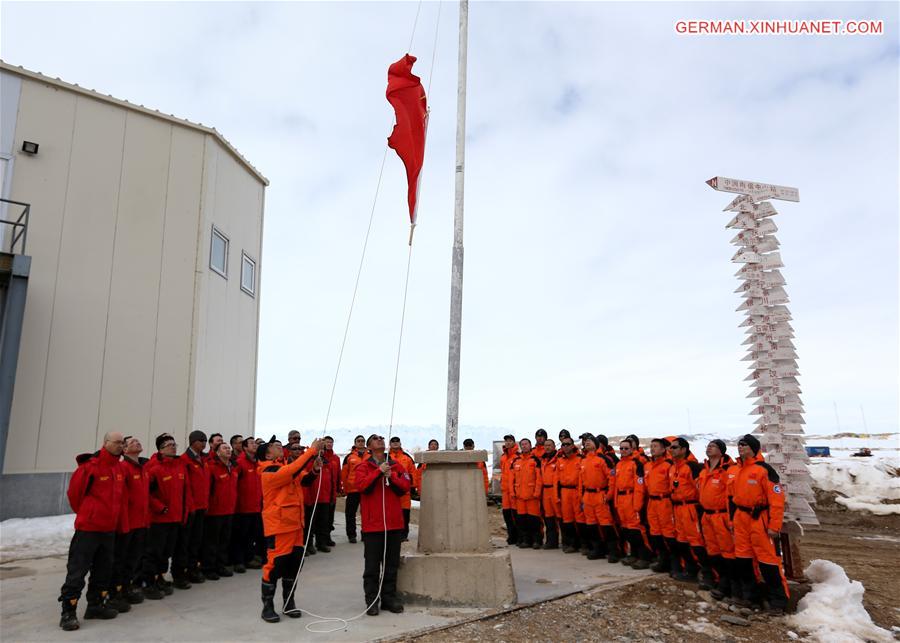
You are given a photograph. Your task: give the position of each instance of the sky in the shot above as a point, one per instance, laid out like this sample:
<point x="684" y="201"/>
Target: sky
<point x="598" y="291"/>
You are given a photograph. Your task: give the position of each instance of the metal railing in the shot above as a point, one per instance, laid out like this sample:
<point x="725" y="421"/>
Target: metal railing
<point x="19" y="226"/>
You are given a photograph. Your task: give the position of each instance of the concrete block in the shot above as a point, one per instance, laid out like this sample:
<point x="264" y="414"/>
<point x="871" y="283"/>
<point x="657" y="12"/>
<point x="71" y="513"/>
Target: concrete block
<point x="477" y="580"/>
<point x="453" y="513"/>
<point x="450" y="457"/>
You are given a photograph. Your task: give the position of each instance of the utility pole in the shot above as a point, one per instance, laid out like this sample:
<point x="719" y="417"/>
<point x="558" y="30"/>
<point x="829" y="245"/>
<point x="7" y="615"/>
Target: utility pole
<point x="456" y="278"/>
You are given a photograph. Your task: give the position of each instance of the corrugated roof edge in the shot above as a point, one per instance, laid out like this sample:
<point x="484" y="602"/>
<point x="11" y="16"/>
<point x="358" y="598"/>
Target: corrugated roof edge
<point x="34" y="75"/>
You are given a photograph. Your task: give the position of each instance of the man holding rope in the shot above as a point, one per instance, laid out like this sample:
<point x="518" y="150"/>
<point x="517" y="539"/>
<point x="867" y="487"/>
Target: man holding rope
<point x="282" y="513"/>
<point x="382" y="524"/>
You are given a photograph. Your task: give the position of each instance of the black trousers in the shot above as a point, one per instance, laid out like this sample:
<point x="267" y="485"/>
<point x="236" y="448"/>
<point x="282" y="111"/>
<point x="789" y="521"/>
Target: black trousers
<point x="216" y="537"/>
<point x="188" y="544"/>
<point x="129" y="550"/>
<point x="89" y="551"/>
<point x="351" y="507"/>
<point x="320" y="523"/>
<point x="331" y="509"/>
<point x="258" y="537"/>
<point x="512" y="532"/>
<point x="242" y="538"/>
<point x="406" y="513"/>
<point x="160" y="546"/>
<point x="374" y="553"/>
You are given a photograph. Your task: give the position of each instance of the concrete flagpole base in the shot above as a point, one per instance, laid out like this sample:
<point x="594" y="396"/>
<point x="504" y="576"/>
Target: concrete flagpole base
<point x="455" y="563"/>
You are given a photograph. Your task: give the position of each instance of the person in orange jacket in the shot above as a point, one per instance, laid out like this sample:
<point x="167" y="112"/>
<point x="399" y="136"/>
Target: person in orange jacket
<point x="568" y="487"/>
<point x="528" y="491"/>
<point x="595" y="477"/>
<point x="540" y="439"/>
<point x="637" y="449"/>
<point x="469" y="445"/>
<point x="628" y="483"/>
<point x="685" y="499"/>
<point x="757" y="505"/>
<point x="397" y="454"/>
<point x="433" y="445"/>
<point x="282" y="515"/>
<point x="510" y="452"/>
<point x="660" y="513"/>
<point x="550" y="501"/>
<point x="715" y="524"/>
<point x="348" y="481"/>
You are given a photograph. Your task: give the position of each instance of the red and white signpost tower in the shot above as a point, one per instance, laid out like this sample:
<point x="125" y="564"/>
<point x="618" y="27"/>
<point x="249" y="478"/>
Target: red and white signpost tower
<point x="773" y="360"/>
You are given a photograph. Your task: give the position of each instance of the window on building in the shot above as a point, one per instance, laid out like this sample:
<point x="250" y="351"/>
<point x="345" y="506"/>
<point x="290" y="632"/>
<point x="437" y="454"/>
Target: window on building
<point x="248" y="275"/>
<point x="218" y="253"/>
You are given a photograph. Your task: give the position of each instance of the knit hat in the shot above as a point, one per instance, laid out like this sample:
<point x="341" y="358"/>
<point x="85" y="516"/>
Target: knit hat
<point x="590" y="436"/>
<point x="751" y="442"/>
<point x="196" y="436"/>
<point x="602" y="439"/>
<point x="540" y="433"/>
<point x="564" y="433"/>
<point x="720" y="444"/>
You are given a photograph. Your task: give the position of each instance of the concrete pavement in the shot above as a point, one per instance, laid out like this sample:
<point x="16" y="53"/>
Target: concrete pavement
<point x="228" y="610"/>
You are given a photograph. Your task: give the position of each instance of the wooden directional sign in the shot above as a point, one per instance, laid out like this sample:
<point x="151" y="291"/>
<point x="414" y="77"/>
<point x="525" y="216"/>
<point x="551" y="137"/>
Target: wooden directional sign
<point x="754" y="189"/>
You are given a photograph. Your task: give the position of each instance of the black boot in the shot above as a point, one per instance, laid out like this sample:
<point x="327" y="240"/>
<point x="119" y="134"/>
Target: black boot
<point x="639" y="551"/>
<point x="568" y="538"/>
<point x="118" y="601"/>
<point x="743" y="586"/>
<point x="690" y="565"/>
<point x="133" y="594"/>
<point x="290" y="609"/>
<point x="98" y="607"/>
<point x="151" y="590"/>
<point x="706" y="576"/>
<point x="674" y="557"/>
<point x="195" y="576"/>
<point x="613" y="548"/>
<point x="268" y="601"/>
<point x="550" y="526"/>
<point x="662" y="564"/>
<point x="522" y="529"/>
<point x="593" y="532"/>
<point x="718" y="565"/>
<point x="69" y="620"/>
<point x="537" y="532"/>
<point x="775" y="587"/>
<point x="632" y="554"/>
<point x="512" y="535"/>
<point x="581" y="539"/>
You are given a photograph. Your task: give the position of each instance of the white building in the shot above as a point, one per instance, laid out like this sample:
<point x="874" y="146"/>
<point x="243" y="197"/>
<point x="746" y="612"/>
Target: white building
<point x="142" y="306"/>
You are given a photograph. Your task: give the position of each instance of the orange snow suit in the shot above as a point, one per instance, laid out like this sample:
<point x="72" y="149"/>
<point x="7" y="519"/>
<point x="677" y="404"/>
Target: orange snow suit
<point x="628" y="484"/>
<point x="506" y="477"/>
<point x="568" y="475"/>
<point x="660" y="515"/>
<point x="527" y="484"/>
<point x="550" y="478"/>
<point x="684" y="500"/>
<point x="595" y="488"/>
<point x="716" y="522"/>
<point x="759" y="505"/>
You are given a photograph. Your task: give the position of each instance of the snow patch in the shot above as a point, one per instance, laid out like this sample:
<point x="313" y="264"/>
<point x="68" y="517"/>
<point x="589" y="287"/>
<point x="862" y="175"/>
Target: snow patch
<point x="35" y="537"/>
<point x="703" y="627"/>
<point x="833" y="611"/>
<point x="863" y="484"/>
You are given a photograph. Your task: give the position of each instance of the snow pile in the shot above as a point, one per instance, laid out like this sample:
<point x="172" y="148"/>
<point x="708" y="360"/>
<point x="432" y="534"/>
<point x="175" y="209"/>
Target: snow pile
<point x="863" y="483"/>
<point x="35" y="537"/>
<point x="833" y="611"/>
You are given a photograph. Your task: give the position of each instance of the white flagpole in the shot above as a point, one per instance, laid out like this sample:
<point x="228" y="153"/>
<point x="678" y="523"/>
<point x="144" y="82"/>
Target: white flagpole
<point x="456" y="279"/>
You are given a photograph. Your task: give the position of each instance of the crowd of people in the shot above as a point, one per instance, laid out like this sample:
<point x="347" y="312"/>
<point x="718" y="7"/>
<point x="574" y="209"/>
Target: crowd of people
<point x="716" y="523"/>
<point x="220" y="508"/>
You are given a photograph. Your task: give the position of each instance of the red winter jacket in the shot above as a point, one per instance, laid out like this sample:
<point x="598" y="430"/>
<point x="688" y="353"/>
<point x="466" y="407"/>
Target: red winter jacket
<point x="223" y="484"/>
<point x="198" y="478"/>
<point x="137" y="485"/>
<point x="375" y="511"/>
<point x="170" y="494"/>
<point x="97" y="492"/>
<point x="249" y="487"/>
<point x="329" y="476"/>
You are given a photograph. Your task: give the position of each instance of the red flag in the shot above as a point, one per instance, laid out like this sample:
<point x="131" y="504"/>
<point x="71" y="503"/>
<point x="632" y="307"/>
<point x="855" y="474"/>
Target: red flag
<point x="406" y="94"/>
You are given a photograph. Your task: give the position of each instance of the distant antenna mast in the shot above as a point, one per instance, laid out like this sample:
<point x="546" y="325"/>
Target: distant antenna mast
<point x="863" y="413"/>
<point x="837" y="420"/>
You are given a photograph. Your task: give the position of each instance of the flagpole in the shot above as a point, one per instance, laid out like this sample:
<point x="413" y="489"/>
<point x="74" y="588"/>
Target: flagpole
<point x="456" y="279"/>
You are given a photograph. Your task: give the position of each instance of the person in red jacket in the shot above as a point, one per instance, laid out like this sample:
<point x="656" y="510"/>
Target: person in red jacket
<point x="222" y="500"/>
<point x="319" y="481"/>
<point x="382" y="483"/>
<point x="331" y="459"/>
<point x="282" y="515"/>
<point x="757" y="505"/>
<point x="170" y="502"/>
<point x="246" y="530"/>
<point x="348" y="482"/>
<point x="97" y="494"/>
<point x="130" y="543"/>
<point x="186" y="557"/>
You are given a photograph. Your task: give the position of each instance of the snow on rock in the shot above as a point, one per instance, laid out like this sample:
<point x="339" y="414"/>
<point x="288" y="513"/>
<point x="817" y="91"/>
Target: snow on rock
<point x="833" y="611"/>
<point x="862" y="484"/>
<point x="35" y="537"/>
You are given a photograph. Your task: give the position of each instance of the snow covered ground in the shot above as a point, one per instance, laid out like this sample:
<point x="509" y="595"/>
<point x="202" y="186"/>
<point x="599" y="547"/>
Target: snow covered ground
<point x="35" y="537"/>
<point x="833" y="611"/>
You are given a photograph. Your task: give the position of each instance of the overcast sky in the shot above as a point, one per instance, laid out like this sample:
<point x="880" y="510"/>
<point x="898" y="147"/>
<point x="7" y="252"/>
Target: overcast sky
<point x="598" y="282"/>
